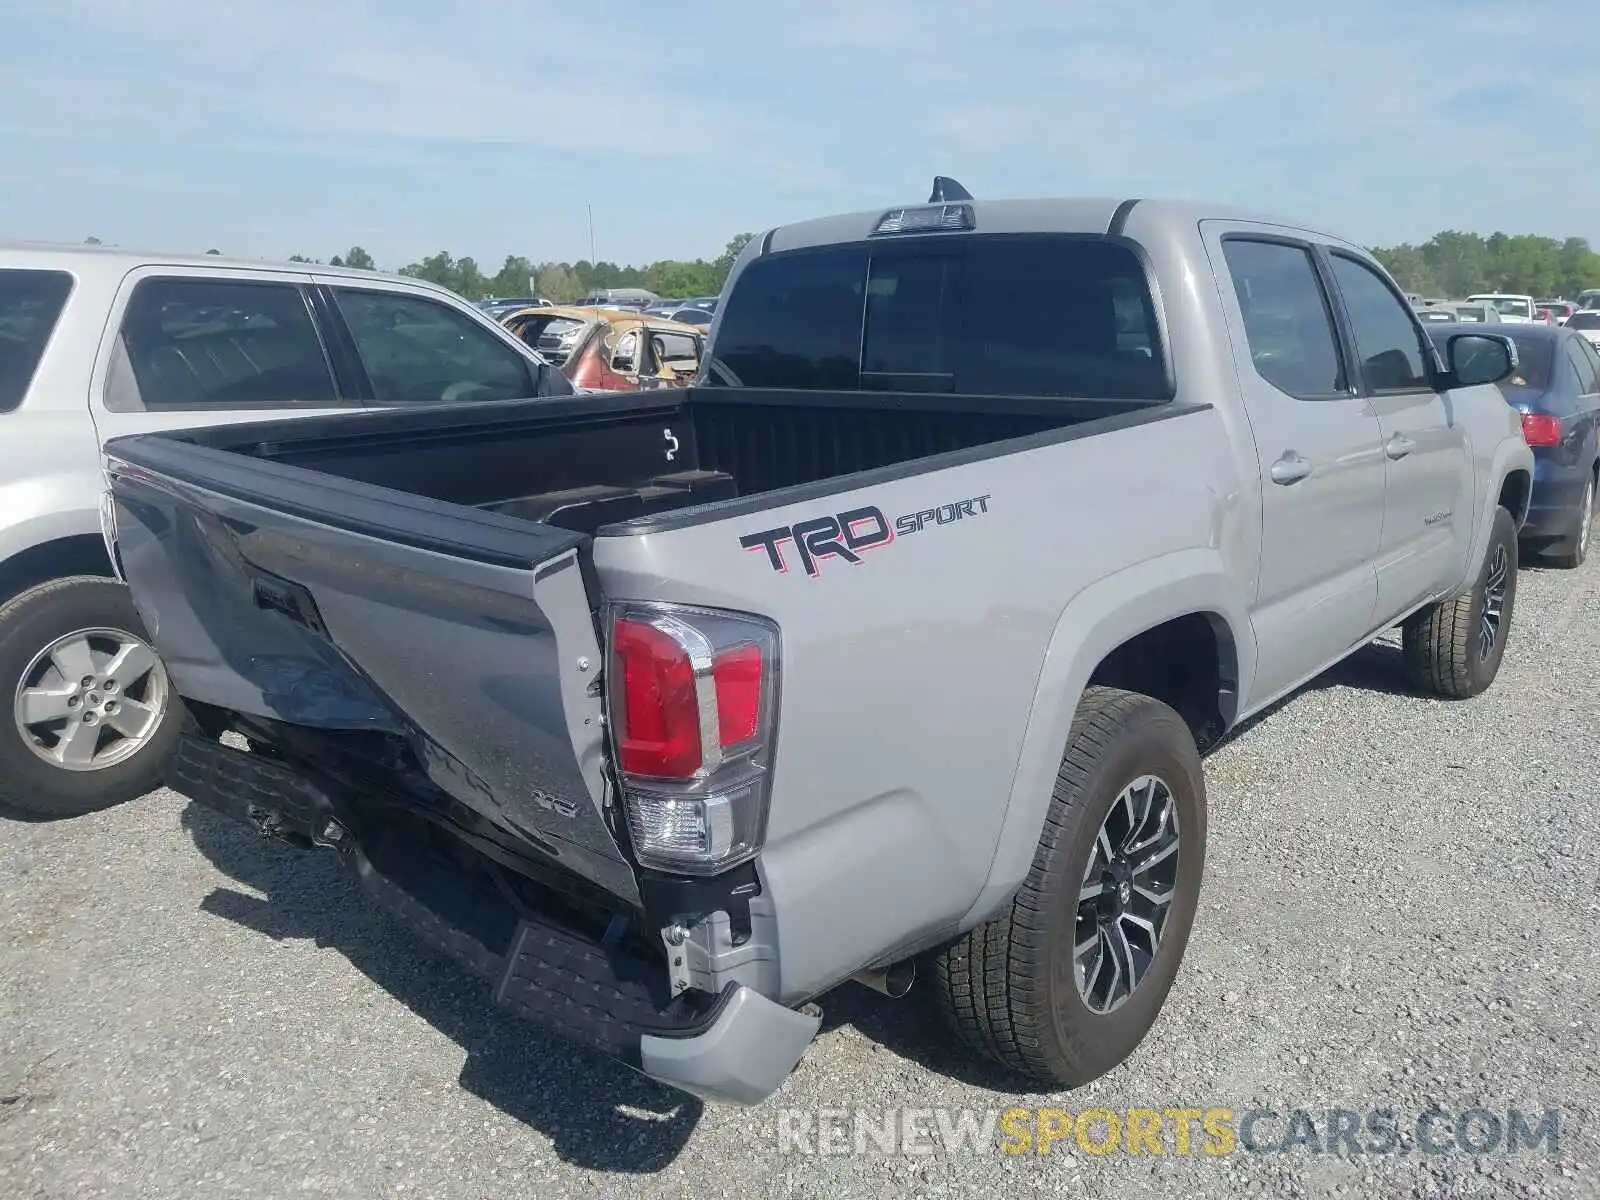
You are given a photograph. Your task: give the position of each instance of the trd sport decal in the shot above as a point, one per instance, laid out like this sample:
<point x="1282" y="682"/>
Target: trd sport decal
<point x="849" y="535"/>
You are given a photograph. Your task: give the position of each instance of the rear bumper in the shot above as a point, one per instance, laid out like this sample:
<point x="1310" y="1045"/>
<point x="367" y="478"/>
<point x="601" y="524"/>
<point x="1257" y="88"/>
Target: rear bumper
<point x="737" y="1047"/>
<point x="1556" y="499"/>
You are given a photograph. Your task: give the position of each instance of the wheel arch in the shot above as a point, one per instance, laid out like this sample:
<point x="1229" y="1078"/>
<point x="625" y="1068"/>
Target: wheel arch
<point x="1113" y="632"/>
<point x="57" y="558"/>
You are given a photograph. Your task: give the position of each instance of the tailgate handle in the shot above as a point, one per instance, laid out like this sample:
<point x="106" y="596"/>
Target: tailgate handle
<point x="290" y="599"/>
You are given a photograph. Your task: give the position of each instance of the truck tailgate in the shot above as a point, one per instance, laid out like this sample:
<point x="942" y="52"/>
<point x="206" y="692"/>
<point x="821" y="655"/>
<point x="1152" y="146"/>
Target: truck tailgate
<point x="298" y="597"/>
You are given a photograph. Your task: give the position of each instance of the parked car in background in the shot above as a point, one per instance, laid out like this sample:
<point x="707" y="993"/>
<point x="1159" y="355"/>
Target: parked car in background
<point x="1556" y="388"/>
<point x="1439" y="312"/>
<point x="679" y="710"/>
<point x="1480" y="313"/>
<point x="1555" y="311"/>
<point x="499" y="307"/>
<point x="603" y="350"/>
<point x="694" y="311"/>
<point x="97" y="343"/>
<point x="1512" y="308"/>
<point x="629" y="298"/>
<point x="1589" y="298"/>
<point x="1586" y="323"/>
<point x="691" y="315"/>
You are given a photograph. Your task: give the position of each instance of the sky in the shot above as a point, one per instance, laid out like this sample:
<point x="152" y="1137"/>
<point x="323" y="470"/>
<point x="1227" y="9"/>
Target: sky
<point x="489" y="127"/>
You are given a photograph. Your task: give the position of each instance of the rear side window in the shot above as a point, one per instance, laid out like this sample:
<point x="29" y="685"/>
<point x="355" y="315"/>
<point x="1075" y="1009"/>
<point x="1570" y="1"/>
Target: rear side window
<point x="1584" y="320"/>
<point x="1587" y="347"/>
<point x="678" y="351"/>
<point x="1588" y="385"/>
<point x="1287" y="321"/>
<point x="218" y="343"/>
<point x="1003" y="315"/>
<point x="30" y="304"/>
<point x="418" y="351"/>
<point x="1387" y="340"/>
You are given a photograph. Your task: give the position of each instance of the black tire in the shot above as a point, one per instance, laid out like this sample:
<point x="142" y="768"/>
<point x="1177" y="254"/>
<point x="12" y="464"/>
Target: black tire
<point x="1442" y="645"/>
<point x="1010" y="988"/>
<point x="1576" y="548"/>
<point x="29" y="624"/>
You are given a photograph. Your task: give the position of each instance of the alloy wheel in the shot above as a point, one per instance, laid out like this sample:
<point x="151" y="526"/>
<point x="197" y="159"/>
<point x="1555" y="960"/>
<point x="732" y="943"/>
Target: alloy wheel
<point x="1126" y="894"/>
<point x="1586" y="518"/>
<point x="1494" y="600"/>
<point x="91" y="699"/>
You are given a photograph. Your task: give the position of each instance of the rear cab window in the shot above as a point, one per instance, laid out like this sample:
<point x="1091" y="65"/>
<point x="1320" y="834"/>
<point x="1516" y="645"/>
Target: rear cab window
<point x="1003" y="314"/>
<point x="30" y="305"/>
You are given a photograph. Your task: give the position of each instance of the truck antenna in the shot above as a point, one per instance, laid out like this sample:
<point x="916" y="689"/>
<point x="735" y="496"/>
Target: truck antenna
<point x="946" y="189"/>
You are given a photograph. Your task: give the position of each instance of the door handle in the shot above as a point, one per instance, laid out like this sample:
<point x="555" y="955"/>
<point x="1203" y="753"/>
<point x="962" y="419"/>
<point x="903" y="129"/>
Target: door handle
<point x="1291" y="468"/>
<point x="1398" y="446"/>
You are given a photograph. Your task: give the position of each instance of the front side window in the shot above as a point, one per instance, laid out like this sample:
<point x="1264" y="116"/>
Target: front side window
<point x="30" y="304"/>
<point x="1387" y="341"/>
<point x="418" y="351"/>
<point x="1002" y="315"/>
<point x="1286" y="317"/>
<point x="218" y="343"/>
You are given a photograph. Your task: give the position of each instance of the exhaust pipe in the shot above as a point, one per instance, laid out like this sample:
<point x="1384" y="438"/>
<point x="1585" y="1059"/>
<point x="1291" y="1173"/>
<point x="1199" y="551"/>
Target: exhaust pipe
<point x="894" y="980"/>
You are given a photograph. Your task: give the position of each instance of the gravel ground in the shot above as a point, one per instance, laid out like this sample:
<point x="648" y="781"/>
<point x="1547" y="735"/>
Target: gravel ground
<point x="1399" y="912"/>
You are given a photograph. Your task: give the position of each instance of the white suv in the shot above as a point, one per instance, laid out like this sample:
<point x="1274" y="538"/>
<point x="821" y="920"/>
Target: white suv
<point x="96" y="343"/>
<point x="1512" y="308"/>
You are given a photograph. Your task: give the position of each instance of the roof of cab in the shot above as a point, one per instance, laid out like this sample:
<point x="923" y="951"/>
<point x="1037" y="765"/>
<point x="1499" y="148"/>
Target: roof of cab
<point x="1066" y="214"/>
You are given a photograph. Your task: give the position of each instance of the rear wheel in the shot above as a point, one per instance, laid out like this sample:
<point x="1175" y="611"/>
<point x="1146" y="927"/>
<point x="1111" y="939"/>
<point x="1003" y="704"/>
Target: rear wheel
<point x="1065" y="983"/>
<point x="1453" y="648"/>
<point x="1577" y="548"/>
<point x="92" y="714"/>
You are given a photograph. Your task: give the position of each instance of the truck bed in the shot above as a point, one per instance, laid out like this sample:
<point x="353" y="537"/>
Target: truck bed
<point x="582" y="465"/>
<point x="404" y="602"/>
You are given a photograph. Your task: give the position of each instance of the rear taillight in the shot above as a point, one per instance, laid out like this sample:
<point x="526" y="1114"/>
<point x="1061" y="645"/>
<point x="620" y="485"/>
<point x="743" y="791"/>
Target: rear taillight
<point x="1541" y="429"/>
<point x="693" y="697"/>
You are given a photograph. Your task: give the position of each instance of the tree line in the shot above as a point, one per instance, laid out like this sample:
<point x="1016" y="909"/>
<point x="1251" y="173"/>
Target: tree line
<point x="1453" y="264"/>
<point x="558" y="281"/>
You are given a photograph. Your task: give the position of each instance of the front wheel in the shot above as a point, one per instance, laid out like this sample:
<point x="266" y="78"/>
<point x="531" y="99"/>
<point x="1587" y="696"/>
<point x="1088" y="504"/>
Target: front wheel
<point x="1453" y="648"/>
<point x="92" y="716"/>
<point x="1067" y="981"/>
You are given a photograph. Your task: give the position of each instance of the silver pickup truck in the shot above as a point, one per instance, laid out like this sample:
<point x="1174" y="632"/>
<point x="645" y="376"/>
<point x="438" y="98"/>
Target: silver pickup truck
<point x="896" y="639"/>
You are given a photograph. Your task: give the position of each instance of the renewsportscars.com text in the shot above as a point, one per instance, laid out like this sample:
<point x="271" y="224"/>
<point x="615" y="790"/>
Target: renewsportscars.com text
<point x="1178" y="1132"/>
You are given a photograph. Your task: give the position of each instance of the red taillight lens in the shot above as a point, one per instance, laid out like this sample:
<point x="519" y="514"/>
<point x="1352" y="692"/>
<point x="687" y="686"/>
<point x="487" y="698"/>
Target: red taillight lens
<point x="660" y="717"/>
<point x="737" y="676"/>
<point x="693" y="704"/>
<point x="1541" y="429"/>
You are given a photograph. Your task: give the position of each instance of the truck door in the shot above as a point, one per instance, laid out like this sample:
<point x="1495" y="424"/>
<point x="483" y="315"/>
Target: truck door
<point x="1318" y="452"/>
<point x="1427" y="467"/>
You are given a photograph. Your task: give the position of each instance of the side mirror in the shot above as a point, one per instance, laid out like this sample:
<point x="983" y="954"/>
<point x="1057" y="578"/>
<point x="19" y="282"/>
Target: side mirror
<point x="1479" y="358"/>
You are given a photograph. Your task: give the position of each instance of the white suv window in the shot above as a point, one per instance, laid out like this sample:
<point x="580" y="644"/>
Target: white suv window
<point x="218" y="343"/>
<point x="30" y="303"/>
<point x="418" y="351"/>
